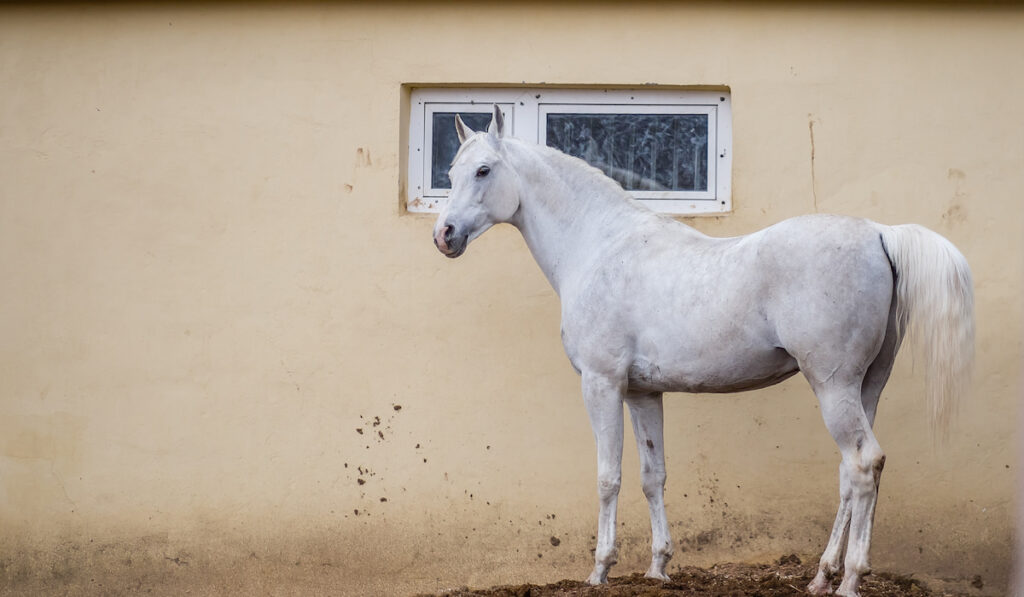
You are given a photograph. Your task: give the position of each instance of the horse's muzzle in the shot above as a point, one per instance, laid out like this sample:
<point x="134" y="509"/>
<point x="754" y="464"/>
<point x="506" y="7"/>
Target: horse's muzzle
<point x="449" y="243"/>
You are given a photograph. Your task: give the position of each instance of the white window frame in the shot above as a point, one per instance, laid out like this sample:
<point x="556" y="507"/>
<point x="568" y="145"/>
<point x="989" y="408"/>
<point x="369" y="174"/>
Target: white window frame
<point x="525" y="111"/>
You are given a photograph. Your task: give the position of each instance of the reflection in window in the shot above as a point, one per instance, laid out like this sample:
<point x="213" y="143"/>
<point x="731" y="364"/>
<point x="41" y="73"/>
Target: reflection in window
<point x="642" y="152"/>
<point x="446" y="143"/>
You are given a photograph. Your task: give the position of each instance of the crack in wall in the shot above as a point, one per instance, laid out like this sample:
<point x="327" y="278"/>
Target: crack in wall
<point x="814" y="181"/>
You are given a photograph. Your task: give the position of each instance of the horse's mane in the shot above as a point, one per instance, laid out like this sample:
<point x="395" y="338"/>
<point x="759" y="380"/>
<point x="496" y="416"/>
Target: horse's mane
<point x="579" y="175"/>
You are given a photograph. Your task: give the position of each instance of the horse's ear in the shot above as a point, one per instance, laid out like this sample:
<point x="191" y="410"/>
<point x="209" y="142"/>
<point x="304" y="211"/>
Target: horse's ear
<point x="463" y="131"/>
<point x="497" y="126"/>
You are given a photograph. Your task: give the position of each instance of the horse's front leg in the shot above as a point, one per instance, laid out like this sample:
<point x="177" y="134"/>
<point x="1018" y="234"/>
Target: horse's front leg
<point x="646" y="412"/>
<point x="603" y="399"/>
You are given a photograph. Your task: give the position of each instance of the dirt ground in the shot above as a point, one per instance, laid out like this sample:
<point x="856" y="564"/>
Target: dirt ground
<point x="788" y="576"/>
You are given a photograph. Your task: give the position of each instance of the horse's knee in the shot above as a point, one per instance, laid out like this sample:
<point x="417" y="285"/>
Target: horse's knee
<point x="608" y="486"/>
<point x="653" y="483"/>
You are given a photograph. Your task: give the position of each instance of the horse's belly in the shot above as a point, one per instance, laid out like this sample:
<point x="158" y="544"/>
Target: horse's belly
<point x="742" y="372"/>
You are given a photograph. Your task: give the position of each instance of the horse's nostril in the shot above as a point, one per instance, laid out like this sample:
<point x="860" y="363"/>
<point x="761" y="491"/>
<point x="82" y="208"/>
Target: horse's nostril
<point x="447" y="235"/>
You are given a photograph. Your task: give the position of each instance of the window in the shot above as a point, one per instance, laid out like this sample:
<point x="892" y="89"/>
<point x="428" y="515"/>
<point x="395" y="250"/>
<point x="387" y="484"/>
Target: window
<point x="669" y="149"/>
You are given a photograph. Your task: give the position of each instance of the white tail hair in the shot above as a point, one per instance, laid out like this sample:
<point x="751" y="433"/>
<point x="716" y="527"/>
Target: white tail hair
<point x="935" y="309"/>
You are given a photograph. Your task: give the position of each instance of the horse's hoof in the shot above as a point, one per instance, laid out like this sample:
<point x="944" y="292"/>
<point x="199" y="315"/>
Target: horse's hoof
<point x="820" y="585"/>
<point x="597" y="578"/>
<point x="657" y="575"/>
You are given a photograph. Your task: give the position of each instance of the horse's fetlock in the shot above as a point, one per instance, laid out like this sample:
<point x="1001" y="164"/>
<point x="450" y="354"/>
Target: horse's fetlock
<point x="607" y="558"/>
<point x="665" y="551"/>
<point x="829" y="568"/>
<point x="859" y="567"/>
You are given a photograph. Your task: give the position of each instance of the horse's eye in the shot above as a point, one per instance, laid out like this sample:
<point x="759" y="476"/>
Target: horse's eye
<point x="483" y="171"/>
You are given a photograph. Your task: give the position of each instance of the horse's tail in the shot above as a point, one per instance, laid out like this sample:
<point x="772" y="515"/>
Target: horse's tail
<point x="935" y="308"/>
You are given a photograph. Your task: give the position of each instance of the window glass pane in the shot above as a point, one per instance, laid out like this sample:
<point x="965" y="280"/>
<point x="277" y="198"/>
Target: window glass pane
<point x="446" y="143"/>
<point x="643" y="152"/>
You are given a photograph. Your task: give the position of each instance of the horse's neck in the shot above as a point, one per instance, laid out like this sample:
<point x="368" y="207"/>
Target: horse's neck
<point x="569" y="212"/>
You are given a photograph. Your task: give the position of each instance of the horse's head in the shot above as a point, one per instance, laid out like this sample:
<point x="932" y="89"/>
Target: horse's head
<point x="484" y="190"/>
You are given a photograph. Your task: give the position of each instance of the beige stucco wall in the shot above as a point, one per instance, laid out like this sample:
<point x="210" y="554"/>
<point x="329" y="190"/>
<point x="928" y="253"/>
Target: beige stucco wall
<point x="209" y="283"/>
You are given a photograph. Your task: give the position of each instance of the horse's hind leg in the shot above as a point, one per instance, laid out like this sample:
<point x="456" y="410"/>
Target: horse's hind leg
<point x="862" y="462"/>
<point x="870" y="392"/>
<point x="832" y="557"/>
<point x="864" y="466"/>
<point x="646" y="412"/>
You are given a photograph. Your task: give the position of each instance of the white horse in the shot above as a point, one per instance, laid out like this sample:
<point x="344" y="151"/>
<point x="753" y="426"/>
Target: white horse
<point x="650" y="305"/>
